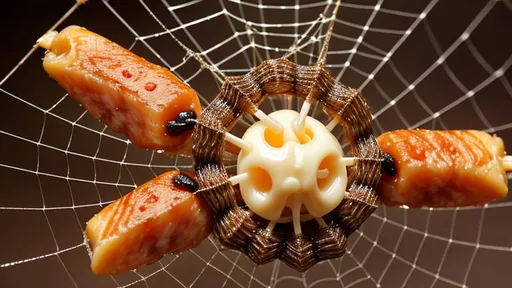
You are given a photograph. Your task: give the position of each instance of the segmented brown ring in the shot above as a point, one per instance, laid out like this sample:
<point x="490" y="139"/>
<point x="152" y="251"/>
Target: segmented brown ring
<point x="235" y="226"/>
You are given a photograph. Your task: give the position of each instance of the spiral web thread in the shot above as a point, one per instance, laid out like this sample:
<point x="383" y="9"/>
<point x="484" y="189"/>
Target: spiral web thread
<point x="430" y="64"/>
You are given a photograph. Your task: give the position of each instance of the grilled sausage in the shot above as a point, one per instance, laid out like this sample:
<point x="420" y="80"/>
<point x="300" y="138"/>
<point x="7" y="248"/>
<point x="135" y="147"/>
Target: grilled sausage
<point x="146" y="102"/>
<point x="441" y="168"/>
<point x="159" y="217"/>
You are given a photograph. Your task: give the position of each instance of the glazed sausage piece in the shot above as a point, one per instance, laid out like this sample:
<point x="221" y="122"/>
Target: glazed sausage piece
<point x="146" y="102"/>
<point x="159" y="217"/>
<point x="424" y="168"/>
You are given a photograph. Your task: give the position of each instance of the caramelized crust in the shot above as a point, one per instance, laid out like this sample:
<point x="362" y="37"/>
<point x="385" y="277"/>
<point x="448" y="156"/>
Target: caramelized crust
<point x="443" y="168"/>
<point x="129" y="94"/>
<point x="141" y="227"/>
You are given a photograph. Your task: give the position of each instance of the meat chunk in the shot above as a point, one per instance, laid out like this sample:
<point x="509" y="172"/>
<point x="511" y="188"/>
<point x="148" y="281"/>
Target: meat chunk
<point x="441" y="168"/>
<point x="129" y="94"/>
<point x="156" y="218"/>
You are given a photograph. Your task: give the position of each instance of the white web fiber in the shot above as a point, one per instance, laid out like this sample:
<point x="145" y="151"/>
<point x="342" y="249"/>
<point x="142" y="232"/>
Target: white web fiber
<point x="429" y="63"/>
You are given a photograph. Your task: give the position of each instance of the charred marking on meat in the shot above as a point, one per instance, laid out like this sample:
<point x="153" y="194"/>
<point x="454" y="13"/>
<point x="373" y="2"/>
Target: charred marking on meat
<point x="185" y="122"/>
<point x="150" y="86"/>
<point x="388" y="165"/>
<point x="186" y="182"/>
<point x="149" y="201"/>
<point x="126" y="74"/>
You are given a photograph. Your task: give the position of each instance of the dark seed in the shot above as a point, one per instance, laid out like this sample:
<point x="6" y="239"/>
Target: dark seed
<point x="389" y="165"/>
<point x="175" y="128"/>
<point x="186" y="182"/>
<point x="185" y="122"/>
<point x="186" y="115"/>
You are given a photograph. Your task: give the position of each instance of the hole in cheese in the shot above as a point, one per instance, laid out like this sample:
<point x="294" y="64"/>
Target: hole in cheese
<point x="305" y="137"/>
<point x="275" y="140"/>
<point x="260" y="179"/>
<point x="332" y="164"/>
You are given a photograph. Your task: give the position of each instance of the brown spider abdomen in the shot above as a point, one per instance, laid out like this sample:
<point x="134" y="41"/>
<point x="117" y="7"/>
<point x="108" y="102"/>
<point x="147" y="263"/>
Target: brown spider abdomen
<point x="236" y="226"/>
<point x="129" y="94"/>
<point x="159" y="217"/>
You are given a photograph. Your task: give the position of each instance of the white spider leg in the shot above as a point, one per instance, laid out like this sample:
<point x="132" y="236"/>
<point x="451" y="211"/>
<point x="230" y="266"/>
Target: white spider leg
<point x="332" y="124"/>
<point x="270" y="122"/>
<point x="348" y="161"/>
<point x="237" y="179"/>
<point x="296" y="217"/>
<point x="242" y="144"/>
<point x="321" y="222"/>
<point x="271" y="225"/>
<point x="304" y="111"/>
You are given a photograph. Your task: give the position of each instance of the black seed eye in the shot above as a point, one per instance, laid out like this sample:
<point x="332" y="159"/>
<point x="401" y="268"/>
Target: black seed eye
<point x="389" y="165"/>
<point x="185" y="122"/>
<point x="186" y="182"/>
<point x="186" y="115"/>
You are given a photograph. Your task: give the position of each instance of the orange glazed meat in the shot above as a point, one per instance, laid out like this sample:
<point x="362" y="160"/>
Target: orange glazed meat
<point x="442" y="168"/>
<point x="146" y="102"/>
<point x="158" y="217"/>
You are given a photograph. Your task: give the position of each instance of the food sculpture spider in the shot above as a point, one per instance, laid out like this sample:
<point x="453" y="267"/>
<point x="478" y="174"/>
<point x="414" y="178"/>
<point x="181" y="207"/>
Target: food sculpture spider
<point x="295" y="196"/>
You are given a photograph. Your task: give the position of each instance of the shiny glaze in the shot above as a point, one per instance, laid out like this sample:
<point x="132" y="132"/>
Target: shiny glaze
<point x="442" y="168"/>
<point x="129" y="94"/>
<point x="141" y="227"/>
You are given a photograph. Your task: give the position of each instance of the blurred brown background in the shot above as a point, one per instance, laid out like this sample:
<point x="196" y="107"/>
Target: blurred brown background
<point x="58" y="164"/>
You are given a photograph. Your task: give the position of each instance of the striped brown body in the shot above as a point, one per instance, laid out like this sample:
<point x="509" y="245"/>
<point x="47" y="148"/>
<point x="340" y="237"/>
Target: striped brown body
<point x="442" y="168"/>
<point x="238" y="228"/>
<point x="141" y="227"/>
<point x="129" y="94"/>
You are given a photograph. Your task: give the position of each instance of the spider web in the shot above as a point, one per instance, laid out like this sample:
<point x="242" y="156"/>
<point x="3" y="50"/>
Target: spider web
<point x="429" y="64"/>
